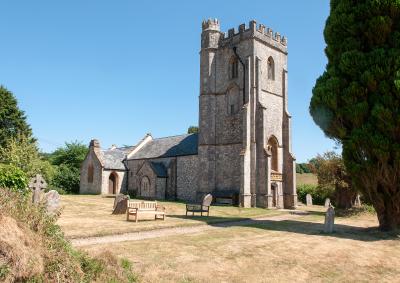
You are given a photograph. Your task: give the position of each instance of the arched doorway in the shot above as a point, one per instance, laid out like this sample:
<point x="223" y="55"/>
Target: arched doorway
<point x="112" y="183"/>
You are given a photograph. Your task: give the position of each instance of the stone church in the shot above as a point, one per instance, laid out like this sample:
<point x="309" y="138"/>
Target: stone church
<point x="242" y="153"/>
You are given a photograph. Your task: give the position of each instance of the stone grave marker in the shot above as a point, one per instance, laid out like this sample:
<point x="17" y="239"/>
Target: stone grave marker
<point x="308" y="200"/>
<point x="37" y="184"/>
<point x="327" y="202"/>
<point x="120" y="204"/>
<point x="52" y="201"/>
<point x="329" y="219"/>
<point x="357" y="201"/>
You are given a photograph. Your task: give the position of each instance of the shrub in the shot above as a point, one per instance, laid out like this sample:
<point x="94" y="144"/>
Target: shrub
<point x="67" y="179"/>
<point x="318" y="193"/>
<point x="43" y="242"/>
<point x="13" y="178"/>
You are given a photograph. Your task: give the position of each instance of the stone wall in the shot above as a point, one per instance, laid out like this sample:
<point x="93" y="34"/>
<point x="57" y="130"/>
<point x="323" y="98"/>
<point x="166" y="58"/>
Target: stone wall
<point x="187" y="177"/>
<point x="121" y="181"/>
<point x="94" y="187"/>
<point x="161" y="186"/>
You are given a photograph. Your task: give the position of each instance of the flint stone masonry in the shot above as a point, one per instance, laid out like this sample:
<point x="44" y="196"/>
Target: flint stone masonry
<point x="240" y="113"/>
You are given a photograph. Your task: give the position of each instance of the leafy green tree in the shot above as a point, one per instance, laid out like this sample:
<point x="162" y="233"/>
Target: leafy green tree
<point x="68" y="160"/>
<point x="72" y="155"/>
<point x="12" y="120"/>
<point x="357" y="99"/>
<point x="193" y="130"/>
<point x="22" y="153"/>
<point x="333" y="178"/>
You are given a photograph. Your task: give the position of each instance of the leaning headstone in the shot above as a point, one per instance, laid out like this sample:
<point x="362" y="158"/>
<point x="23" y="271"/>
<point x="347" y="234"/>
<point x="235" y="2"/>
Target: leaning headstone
<point x="327" y="202"/>
<point x="308" y="199"/>
<point x="120" y="204"/>
<point x="37" y="184"/>
<point x="52" y="202"/>
<point x="357" y="201"/>
<point x="329" y="219"/>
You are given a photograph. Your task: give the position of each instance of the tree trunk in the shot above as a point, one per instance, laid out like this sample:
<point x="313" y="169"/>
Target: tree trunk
<point x="344" y="197"/>
<point x="388" y="214"/>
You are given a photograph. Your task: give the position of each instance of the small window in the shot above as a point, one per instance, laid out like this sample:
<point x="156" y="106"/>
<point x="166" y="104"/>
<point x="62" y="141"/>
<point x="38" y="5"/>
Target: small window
<point x="90" y="174"/>
<point x="234" y="68"/>
<point x="271" y="69"/>
<point x="232" y="109"/>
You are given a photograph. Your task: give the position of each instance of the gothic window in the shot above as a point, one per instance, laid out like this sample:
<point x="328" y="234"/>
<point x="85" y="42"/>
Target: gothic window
<point x="271" y="69"/>
<point x="233" y="68"/>
<point x="145" y="186"/>
<point x="273" y="147"/>
<point x="90" y="174"/>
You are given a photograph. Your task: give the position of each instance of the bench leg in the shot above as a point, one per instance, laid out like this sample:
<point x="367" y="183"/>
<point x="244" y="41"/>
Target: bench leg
<point x="201" y="213"/>
<point x="186" y="212"/>
<point x="136" y="217"/>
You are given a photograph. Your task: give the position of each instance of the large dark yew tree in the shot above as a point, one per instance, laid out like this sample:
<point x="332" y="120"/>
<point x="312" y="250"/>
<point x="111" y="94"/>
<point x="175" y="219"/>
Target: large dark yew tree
<point x="357" y="100"/>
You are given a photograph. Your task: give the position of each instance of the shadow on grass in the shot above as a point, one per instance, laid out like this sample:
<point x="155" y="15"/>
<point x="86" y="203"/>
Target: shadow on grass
<point x="301" y="227"/>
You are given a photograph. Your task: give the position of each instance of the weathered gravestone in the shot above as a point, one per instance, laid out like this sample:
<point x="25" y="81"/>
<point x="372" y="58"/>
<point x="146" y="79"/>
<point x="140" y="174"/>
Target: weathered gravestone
<point x="120" y="204"/>
<point x="52" y="202"/>
<point x="329" y="219"/>
<point x="327" y="202"/>
<point x="308" y="199"/>
<point x="37" y="184"/>
<point x="357" y="201"/>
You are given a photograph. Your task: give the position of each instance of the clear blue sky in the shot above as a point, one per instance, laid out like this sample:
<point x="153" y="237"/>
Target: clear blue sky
<point x="115" y="70"/>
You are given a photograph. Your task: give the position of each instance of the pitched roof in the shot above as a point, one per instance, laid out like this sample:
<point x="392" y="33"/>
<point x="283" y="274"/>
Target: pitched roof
<point x="113" y="158"/>
<point x="159" y="169"/>
<point x="168" y="147"/>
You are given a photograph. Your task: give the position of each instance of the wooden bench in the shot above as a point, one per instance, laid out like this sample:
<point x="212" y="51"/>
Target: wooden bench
<point x="145" y="207"/>
<point x="204" y="206"/>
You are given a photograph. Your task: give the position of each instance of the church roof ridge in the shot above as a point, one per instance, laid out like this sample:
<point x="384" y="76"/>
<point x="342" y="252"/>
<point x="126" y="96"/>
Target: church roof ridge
<point x="174" y="136"/>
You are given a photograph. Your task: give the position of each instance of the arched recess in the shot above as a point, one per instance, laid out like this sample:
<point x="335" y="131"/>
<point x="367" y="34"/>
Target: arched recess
<point x="112" y="183"/>
<point x="90" y="173"/>
<point x="233" y="67"/>
<point x="145" y="187"/>
<point x="233" y="99"/>
<point x="273" y="148"/>
<point x="271" y="68"/>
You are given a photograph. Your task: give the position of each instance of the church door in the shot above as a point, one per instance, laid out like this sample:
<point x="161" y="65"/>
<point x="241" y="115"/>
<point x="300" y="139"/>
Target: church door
<point x="274" y="195"/>
<point x="112" y="184"/>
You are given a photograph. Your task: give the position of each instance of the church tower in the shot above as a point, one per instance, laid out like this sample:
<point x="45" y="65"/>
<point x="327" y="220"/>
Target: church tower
<point x="244" y="124"/>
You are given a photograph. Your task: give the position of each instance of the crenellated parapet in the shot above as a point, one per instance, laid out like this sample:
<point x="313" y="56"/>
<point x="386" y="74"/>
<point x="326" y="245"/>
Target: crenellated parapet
<point x="210" y="24"/>
<point x="259" y="29"/>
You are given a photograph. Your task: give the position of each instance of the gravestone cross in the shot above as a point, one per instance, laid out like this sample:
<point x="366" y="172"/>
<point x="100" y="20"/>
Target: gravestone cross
<point x="329" y="219"/>
<point x="308" y="199"/>
<point x="37" y="184"/>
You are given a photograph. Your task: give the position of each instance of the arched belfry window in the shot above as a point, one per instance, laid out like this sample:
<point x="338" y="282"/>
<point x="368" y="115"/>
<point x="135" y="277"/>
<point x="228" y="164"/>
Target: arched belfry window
<point x="271" y="69"/>
<point x="233" y="68"/>
<point x="273" y="148"/>
<point x="90" y="174"/>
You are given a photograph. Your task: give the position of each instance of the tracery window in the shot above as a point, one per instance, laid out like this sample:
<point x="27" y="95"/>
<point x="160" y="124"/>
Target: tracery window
<point x="234" y="68"/>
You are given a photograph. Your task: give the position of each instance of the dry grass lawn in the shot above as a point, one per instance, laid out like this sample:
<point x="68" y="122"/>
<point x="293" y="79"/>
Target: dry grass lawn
<point x="306" y="178"/>
<point x="283" y="251"/>
<point x="88" y="215"/>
